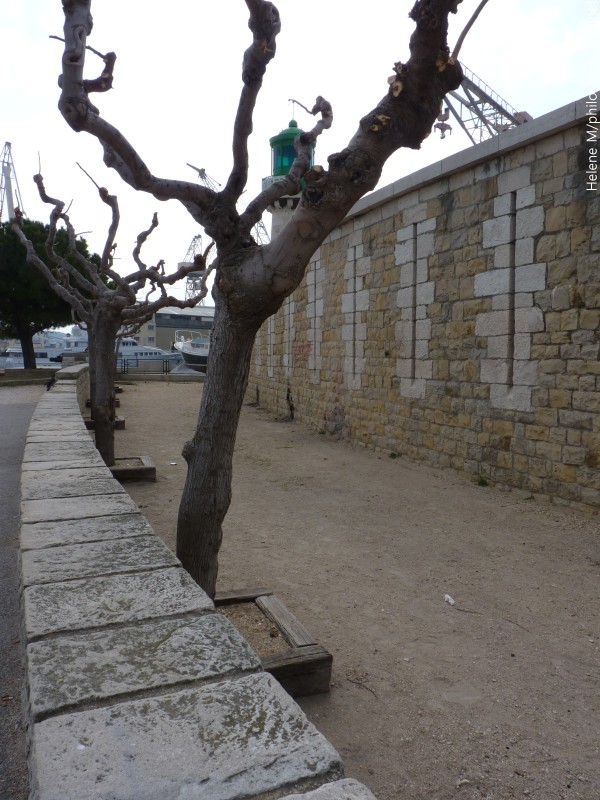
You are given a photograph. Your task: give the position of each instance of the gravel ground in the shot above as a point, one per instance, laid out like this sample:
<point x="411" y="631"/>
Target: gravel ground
<point x="463" y="620"/>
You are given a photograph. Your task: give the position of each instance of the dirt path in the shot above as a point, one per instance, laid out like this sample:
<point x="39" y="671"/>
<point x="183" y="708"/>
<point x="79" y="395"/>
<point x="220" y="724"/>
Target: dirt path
<point x="493" y="697"/>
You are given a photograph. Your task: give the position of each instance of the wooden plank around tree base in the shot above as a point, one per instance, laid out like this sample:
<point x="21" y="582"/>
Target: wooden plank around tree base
<point x="293" y="631"/>
<point x="301" y="671"/>
<point x="119" y="423"/>
<point x="239" y="596"/>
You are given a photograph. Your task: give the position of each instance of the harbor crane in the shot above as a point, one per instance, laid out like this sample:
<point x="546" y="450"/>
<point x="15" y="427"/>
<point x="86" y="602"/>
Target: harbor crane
<point x="10" y="195"/>
<point x="260" y="232"/>
<point x="479" y="110"/>
<point x="194" y="279"/>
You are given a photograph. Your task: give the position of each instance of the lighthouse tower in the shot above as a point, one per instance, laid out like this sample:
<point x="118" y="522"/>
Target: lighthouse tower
<point x="283" y="154"/>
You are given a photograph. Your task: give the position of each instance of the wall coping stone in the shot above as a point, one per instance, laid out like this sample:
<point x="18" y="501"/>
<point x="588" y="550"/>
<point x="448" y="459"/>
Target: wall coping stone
<point x="528" y="133"/>
<point x="136" y="685"/>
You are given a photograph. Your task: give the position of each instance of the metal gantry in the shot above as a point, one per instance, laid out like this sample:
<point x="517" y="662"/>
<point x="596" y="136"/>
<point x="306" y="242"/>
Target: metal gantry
<point x="261" y="234"/>
<point x="193" y="281"/>
<point x="10" y="195"/>
<point x="479" y="110"/>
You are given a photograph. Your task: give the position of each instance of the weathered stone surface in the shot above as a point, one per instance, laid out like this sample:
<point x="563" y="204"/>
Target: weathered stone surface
<point x="505" y="244"/>
<point x="340" y="790"/>
<point x="76" y="507"/>
<point x="71" y="422"/>
<point x="94" y="666"/>
<point x="229" y="740"/>
<point x="69" y="483"/>
<point x="66" y="434"/>
<point x="57" y="451"/>
<point x="53" y="564"/>
<point x="93" y="602"/>
<point x="94" y="529"/>
<point x="56" y="405"/>
<point x="85" y="460"/>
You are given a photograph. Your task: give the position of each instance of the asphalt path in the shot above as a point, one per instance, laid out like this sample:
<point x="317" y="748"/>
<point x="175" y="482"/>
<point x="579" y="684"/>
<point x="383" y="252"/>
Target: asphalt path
<point x="16" y="407"/>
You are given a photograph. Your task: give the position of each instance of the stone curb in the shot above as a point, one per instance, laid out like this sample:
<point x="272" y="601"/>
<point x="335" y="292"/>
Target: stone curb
<point x="136" y="686"/>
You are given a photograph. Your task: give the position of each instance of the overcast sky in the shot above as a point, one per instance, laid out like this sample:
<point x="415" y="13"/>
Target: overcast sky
<point x="177" y="82"/>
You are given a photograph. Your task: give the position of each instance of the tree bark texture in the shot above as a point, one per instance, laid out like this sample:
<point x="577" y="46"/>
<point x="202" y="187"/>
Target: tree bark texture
<point x="106" y="327"/>
<point x="209" y="454"/>
<point x="252" y="281"/>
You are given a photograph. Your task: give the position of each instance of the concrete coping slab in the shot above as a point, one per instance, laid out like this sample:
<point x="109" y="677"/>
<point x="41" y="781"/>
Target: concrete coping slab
<point x="115" y="599"/>
<point x="38" y="535"/>
<point x="61" y="399"/>
<point x="64" y="422"/>
<point x="61" y="411"/>
<point x="232" y="739"/>
<point x="62" y="483"/>
<point x="61" y="451"/>
<point x="347" y="789"/>
<point x="77" y="507"/>
<point x="93" y="667"/>
<point x="57" y="435"/>
<point x="72" y="561"/>
<point x="81" y="462"/>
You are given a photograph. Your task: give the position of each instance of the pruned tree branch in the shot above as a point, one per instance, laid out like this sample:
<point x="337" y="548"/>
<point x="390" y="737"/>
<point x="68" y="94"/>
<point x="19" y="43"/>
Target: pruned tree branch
<point x="466" y="29"/>
<point x="403" y="118"/>
<point x="82" y="115"/>
<point x="84" y="280"/>
<point x="103" y="83"/>
<point x="290" y="183"/>
<point x="265" y="24"/>
<point x="33" y="258"/>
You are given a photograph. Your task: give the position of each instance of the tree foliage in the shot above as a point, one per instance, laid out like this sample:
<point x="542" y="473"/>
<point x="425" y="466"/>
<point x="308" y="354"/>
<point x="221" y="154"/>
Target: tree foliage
<point x="27" y="303"/>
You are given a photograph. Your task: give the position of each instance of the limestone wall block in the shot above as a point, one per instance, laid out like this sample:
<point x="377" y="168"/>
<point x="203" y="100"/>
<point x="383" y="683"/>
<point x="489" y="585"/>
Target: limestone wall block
<point x="530" y="222"/>
<point x="497" y="231"/>
<point x="530" y="278"/>
<point x="489" y="283"/>
<point x="514" y="179"/>
<point x="493" y="323"/>
<point x="528" y="320"/>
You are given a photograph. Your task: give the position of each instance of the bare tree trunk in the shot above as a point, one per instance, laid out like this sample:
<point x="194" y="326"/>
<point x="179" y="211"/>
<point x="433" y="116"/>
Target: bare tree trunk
<point x="102" y="401"/>
<point x="251" y="282"/>
<point x="92" y="368"/>
<point x="207" y="491"/>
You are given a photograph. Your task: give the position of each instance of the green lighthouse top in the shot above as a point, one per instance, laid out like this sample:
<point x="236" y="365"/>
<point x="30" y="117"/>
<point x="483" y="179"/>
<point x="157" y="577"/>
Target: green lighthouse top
<point x="283" y="152"/>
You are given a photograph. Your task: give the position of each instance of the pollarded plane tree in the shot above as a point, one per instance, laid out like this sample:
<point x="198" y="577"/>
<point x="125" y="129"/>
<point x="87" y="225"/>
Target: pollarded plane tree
<point x="104" y="302"/>
<point x="252" y="280"/>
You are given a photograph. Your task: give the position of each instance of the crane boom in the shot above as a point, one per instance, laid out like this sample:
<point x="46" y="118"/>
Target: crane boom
<point x="479" y="110"/>
<point x="9" y="184"/>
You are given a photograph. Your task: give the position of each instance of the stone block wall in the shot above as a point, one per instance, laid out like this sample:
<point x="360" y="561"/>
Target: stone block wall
<point x="80" y="375"/>
<point x="454" y="317"/>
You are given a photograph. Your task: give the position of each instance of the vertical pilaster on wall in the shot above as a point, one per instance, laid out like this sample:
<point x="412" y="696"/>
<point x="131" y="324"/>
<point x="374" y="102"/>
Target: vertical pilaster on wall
<point x="289" y="333"/>
<point x="315" y="281"/>
<point x="270" y="346"/>
<point x="258" y="349"/>
<point x="355" y="305"/>
<point x="415" y="243"/>
<point x="511" y="284"/>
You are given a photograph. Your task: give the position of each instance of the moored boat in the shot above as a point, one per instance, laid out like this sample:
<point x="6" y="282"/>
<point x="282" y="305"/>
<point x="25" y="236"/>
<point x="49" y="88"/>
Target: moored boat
<point x="194" y="346"/>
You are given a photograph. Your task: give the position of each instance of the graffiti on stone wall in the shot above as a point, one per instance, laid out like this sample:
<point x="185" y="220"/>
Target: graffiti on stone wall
<point x="300" y="354"/>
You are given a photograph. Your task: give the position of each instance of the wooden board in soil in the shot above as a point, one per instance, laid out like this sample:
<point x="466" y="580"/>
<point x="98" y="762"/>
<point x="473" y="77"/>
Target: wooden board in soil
<point x="286" y="649"/>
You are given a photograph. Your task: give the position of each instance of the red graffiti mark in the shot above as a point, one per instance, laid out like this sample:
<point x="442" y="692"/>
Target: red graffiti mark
<point x="300" y="354"/>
